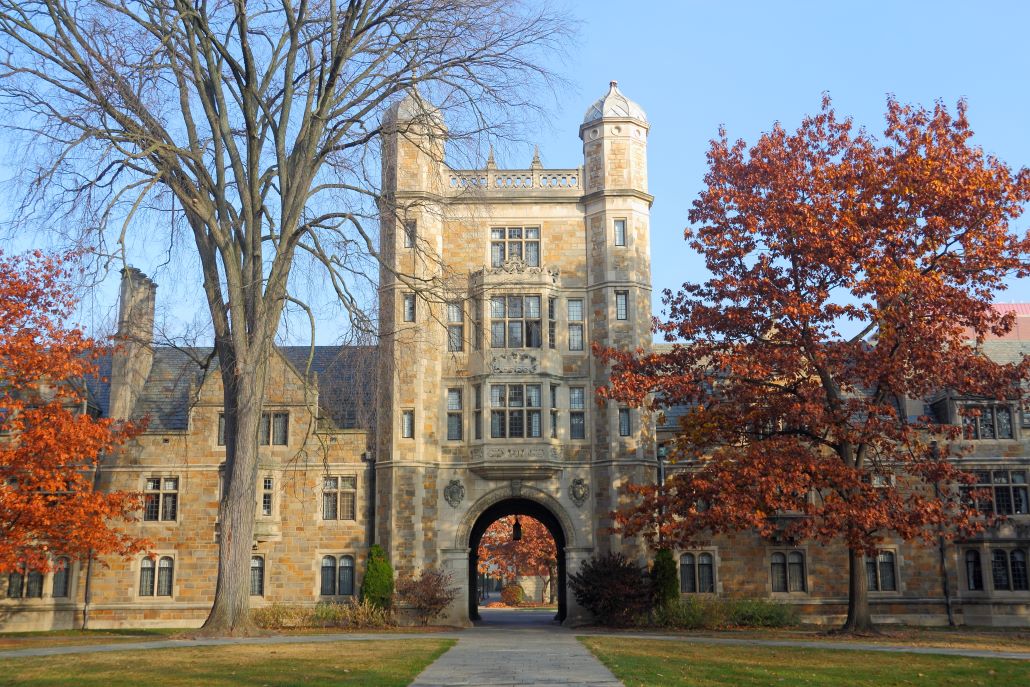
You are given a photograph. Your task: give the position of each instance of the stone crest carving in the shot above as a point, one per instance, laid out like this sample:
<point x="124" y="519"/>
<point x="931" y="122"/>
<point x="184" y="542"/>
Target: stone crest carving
<point x="578" y="491"/>
<point x="516" y="267"/>
<point x="517" y="453"/>
<point x="514" y="362"/>
<point x="454" y="493"/>
<point x="516" y="487"/>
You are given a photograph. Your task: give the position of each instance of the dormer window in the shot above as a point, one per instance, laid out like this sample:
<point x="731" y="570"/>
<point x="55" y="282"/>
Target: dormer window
<point x="987" y="421"/>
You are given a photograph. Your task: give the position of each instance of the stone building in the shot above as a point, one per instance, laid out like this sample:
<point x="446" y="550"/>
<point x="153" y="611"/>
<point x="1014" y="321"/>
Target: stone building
<point x="476" y="403"/>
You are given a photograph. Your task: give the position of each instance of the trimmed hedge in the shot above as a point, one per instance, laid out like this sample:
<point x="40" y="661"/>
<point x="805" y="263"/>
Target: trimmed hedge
<point x="357" y="615"/>
<point x="513" y="595"/>
<point x="697" y="613"/>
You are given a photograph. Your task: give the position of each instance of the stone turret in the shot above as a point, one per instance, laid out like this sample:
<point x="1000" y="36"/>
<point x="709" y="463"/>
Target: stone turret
<point x="411" y="228"/>
<point x="617" y="207"/>
<point x="130" y="365"/>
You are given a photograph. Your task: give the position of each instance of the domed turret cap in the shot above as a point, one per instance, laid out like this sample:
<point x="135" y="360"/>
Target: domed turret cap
<point x="614" y="104"/>
<point x="413" y="107"/>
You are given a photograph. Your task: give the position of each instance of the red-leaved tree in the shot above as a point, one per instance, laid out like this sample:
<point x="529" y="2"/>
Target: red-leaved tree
<point x="533" y="555"/>
<point x="49" y="444"/>
<point x="847" y="275"/>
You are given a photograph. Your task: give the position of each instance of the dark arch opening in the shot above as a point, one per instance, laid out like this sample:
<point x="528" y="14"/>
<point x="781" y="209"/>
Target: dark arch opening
<point x="515" y="506"/>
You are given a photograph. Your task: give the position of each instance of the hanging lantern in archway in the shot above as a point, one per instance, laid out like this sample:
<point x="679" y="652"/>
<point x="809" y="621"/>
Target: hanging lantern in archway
<point x="516" y="530"/>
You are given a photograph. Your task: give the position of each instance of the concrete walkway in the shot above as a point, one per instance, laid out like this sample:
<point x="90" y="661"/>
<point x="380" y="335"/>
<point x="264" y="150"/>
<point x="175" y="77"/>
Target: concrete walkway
<point x="522" y="648"/>
<point x="501" y="644"/>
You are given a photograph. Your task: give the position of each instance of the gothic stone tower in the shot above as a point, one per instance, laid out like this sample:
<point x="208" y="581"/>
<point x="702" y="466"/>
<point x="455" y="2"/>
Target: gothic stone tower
<point x="495" y="285"/>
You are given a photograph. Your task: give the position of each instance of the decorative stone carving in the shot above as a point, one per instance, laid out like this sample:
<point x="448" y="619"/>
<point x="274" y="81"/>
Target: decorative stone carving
<point x="516" y="453"/>
<point x="556" y="453"/>
<point x="578" y="491"/>
<point x="514" y="362"/>
<point x="454" y="493"/>
<point x="516" y="267"/>
<point x="516" y="487"/>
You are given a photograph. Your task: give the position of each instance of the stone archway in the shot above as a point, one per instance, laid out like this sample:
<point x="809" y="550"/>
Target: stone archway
<point x="514" y="505"/>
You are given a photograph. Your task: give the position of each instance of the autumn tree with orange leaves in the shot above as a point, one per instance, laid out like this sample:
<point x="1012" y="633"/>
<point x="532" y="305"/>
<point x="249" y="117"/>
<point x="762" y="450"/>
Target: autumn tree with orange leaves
<point x="50" y="445"/>
<point x="533" y="555"/>
<point x="848" y="273"/>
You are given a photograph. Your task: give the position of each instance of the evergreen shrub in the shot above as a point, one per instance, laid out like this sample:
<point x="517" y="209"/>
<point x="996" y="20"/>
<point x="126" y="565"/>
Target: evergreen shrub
<point x="664" y="579"/>
<point x="377" y="585"/>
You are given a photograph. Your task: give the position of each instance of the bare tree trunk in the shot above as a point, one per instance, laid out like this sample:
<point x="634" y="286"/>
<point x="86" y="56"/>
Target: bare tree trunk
<point x="244" y="391"/>
<point x="859" y="618"/>
<point x="552" y="580"/>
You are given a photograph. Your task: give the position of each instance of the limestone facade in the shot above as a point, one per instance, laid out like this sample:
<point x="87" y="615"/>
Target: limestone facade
<point x="477" y="402"/>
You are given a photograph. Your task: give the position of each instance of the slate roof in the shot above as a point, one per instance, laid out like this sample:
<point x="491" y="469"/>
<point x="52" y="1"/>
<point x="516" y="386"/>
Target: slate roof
<point x="345" y="376"/>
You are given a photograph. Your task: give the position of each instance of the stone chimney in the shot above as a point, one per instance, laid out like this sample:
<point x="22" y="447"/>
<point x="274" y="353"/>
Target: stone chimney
<point x="130" y="365"/>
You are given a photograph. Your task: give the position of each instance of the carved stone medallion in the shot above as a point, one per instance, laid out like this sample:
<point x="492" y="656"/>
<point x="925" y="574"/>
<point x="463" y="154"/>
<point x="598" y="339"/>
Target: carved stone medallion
<point x="578" y="491"/>
<point x="514" y="363"/>
<point x="454" y="493"/>
<point x="516" y="487"/>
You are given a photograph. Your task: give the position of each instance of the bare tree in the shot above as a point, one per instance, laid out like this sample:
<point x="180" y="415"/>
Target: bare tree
<point x="254" y="127"/>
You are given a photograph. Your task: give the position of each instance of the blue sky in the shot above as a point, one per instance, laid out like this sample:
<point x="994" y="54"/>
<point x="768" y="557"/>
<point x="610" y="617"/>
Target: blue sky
<point x="745" y="65"/>
<point x="694" y="66"/>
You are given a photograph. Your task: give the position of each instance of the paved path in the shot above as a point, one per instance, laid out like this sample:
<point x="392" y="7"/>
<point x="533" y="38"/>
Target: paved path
<point x="517" y="648"/>
<point x="504" y="637"/>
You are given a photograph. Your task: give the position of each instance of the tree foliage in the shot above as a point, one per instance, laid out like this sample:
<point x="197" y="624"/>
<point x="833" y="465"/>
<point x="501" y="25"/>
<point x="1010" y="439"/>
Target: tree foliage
<point x="533" y="555"/>
<point x="847" y="274"/>
<point x="377" y="585"/>
<point x="251" y="130"/>
<point x="50" y="446"/>
<point x="615" y="589"/>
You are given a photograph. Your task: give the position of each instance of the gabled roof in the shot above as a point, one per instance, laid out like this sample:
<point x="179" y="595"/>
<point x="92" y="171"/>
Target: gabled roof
<point x="345" y="377"/>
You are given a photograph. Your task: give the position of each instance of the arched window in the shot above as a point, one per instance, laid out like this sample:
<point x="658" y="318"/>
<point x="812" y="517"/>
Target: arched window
<point x="34" y="585"/>
<point x="328" y="576"/>
<point x="779" y="572"/>
<point x="706" y="573"/>
<point x="15" y="582"/>
<point x="974" y="572"/>
<point x="257" y="576"/>
<point x="1019" y="577"/>
<point x="146" y="577"/>
<point x="62" y="569"/>
<point x="165" y="573"/>
<point x="1000" y="569"/>
<point x="688" y="574"/>
<point x="796" y="572"/>
<point x="346" y="587"/>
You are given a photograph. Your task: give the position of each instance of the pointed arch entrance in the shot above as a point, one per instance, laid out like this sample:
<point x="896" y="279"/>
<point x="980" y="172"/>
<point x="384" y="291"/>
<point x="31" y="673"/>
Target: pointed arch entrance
<point x="515" y="505"/>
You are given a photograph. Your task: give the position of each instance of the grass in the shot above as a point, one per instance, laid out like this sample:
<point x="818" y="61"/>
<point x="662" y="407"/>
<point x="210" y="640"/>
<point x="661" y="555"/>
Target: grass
<point x="987" y="639"/>
<point x="10" y="641"/>
<point x="662" y="663"/>
<point x="366" y="663"/>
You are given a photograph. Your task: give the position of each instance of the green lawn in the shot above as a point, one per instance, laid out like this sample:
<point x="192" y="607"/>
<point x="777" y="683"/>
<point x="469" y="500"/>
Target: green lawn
<point x="390" y="663"/>
<point x="10" y="641"/>
<point x="663" y="663"/>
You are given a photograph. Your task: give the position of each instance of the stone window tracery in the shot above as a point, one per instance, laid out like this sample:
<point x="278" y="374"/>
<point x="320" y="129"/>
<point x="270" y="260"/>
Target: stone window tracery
<point x="697" y="573"/>
<point x="788" y="571"/>
<point x="515" y="243"/>
<point x="161" y="499"/>
<point x="515" y="411"/>
<point x="515" y="322"/>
